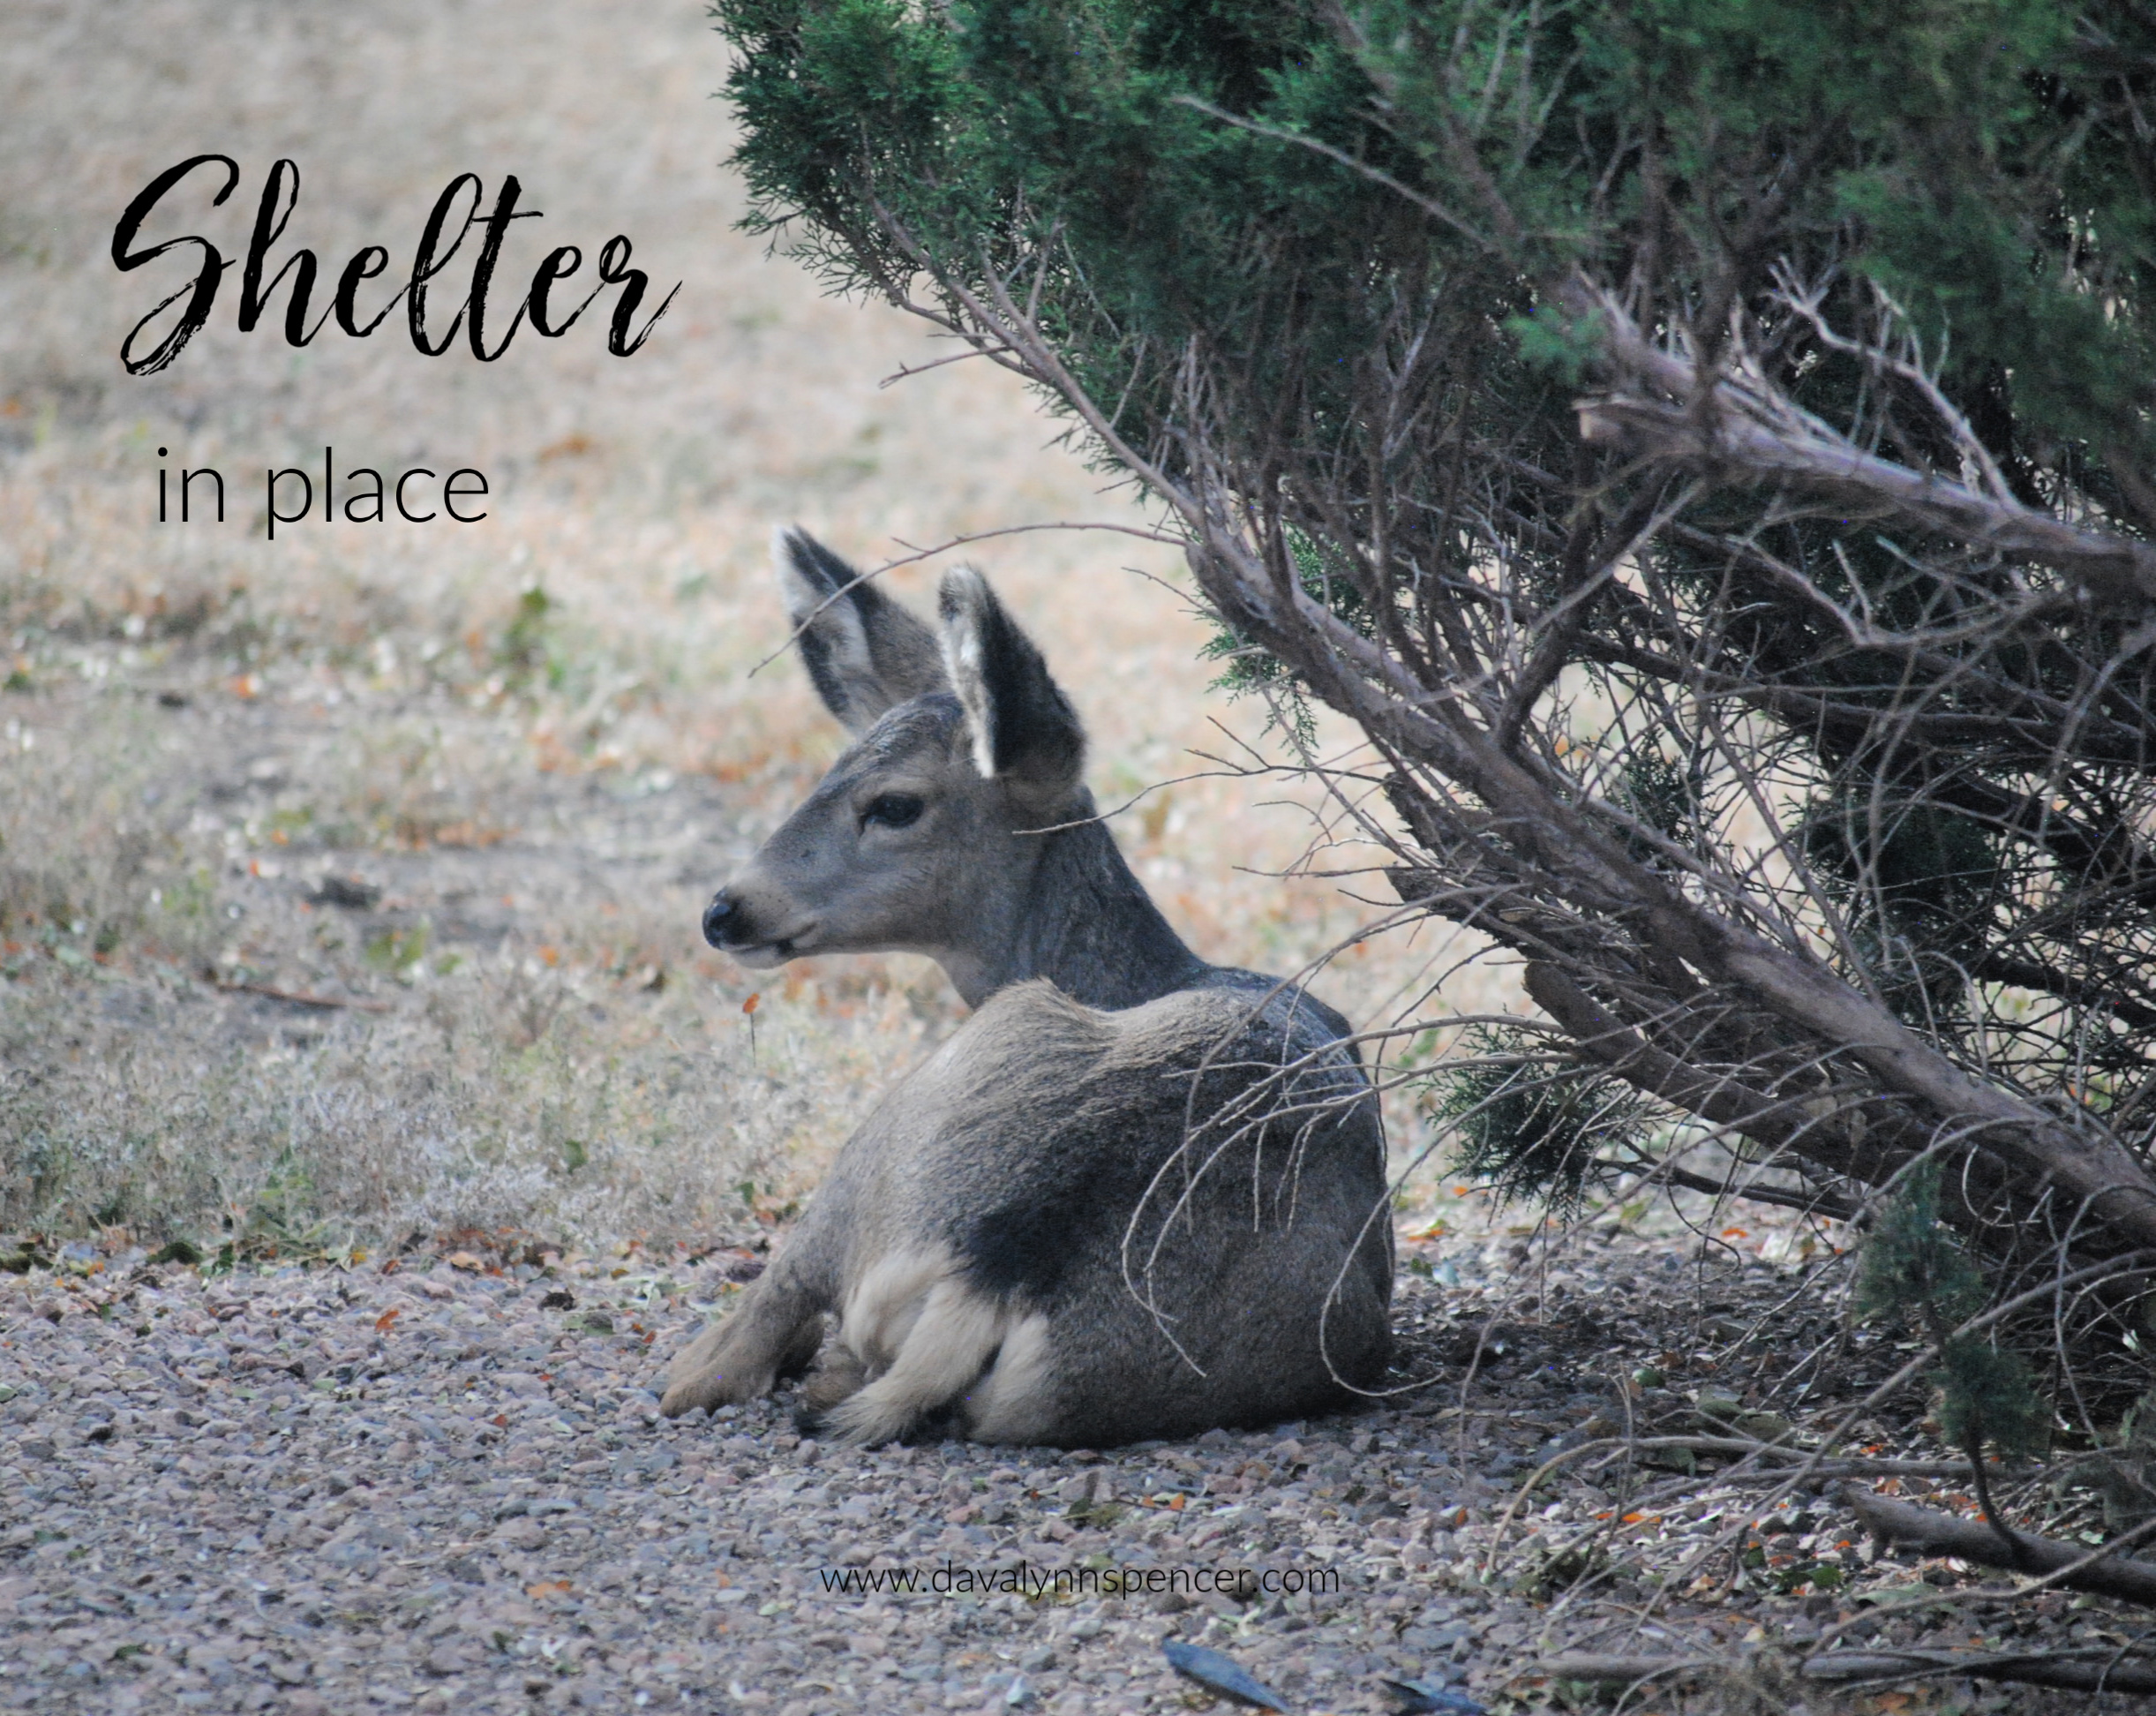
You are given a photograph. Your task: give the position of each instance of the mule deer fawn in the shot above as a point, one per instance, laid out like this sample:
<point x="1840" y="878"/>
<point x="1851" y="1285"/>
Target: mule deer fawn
<point x="1135" y="1196"/>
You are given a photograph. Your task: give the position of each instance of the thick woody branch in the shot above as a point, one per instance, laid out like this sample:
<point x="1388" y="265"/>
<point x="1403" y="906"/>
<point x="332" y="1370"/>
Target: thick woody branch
<point x="1936" y="1534"/>
<point x="1771" y="1123"/>
<point x="1840" y="1668"/>
<point x="2094" y="1169"/>
<point x="2019" y="1667"/>
<point x="1706" y="422"/>
<point x="1534" y="810"/>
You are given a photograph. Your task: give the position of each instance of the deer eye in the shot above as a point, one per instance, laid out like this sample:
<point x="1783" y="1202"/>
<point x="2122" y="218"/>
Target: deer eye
<point x="893" y="810"/>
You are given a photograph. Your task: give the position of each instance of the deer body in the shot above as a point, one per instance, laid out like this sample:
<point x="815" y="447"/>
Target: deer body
<point x="1134" y="1195"/>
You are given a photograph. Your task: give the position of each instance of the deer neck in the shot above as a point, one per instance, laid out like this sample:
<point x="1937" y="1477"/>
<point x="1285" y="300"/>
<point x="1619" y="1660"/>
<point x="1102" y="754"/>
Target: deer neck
<point x="1085" y="923"/>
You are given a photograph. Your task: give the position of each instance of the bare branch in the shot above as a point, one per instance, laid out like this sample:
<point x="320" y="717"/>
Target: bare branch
<point x="1747" y="432"/>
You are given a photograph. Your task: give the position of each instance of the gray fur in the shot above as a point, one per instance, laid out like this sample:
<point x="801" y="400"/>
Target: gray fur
<point x="865" y="653"/>
<point x="1135" y="1196"/>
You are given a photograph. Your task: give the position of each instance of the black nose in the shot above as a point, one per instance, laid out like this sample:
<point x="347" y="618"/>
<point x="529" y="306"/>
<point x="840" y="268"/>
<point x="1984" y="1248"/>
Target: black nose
<point x="717" y="915"/>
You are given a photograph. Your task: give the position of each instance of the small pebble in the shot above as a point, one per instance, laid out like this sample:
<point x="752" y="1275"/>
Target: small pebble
<point x="281" y="1496"/>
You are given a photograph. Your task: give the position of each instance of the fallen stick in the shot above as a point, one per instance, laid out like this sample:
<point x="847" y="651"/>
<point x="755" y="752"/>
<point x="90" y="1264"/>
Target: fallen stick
<point x="2028" y="1668"/>
<point x="1836" y="1668"/>
<point x="1830" y="1465"/>
<point x="1623" y="1670"/>
<point x="300" y="999"/>
<point x="1972" y="1540"/>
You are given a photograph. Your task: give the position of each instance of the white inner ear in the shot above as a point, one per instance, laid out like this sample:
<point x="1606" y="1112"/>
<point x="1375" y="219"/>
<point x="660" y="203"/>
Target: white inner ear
<point x="962" y="666"/>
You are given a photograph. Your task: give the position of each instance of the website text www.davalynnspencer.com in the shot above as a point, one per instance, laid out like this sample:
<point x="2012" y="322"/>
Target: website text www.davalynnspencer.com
<point x="1024" y="1580"/>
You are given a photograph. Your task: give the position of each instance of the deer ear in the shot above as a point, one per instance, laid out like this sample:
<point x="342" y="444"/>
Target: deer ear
<point x="1023" y="727"/>
<point x="865" y="653"/>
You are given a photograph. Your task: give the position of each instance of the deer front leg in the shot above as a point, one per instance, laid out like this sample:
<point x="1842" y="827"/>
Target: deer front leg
<point x="773" y="1331"/>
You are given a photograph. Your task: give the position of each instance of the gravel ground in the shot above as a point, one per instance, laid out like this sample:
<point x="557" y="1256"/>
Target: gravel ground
<point x="443" y="1485"/>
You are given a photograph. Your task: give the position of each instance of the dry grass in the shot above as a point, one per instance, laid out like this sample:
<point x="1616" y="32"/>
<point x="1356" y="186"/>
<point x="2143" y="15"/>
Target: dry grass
<point x="542" y="737"/>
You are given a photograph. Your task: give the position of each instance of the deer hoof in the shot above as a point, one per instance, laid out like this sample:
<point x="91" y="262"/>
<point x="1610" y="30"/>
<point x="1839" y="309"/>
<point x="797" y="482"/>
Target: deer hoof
<point x="710" y="1391"/>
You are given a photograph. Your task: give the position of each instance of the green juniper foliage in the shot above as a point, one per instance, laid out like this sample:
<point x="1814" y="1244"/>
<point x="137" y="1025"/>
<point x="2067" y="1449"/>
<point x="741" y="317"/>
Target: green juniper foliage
<point x="1431" y="174"/>
<point x="1507" y="361"/>
<point x="1530" y="1129"/>
<point x="1914" y="1266"/>
<point x="1663" y="794"/>
<point x="1979" y="160"/>
<point x="1919" y="884"/>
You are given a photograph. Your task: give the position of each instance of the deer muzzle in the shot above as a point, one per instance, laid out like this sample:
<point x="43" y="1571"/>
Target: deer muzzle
<point x="729" y="925"/>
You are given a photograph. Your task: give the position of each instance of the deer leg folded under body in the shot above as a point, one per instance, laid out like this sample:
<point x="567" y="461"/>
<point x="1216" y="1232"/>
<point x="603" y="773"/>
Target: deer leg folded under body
<point x="774" y="1332"/>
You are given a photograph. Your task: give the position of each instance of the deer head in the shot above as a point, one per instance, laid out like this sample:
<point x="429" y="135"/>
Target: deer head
<point x="925" y="836"/>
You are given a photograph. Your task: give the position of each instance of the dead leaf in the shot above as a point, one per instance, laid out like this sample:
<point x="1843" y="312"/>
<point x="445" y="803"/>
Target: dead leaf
<point x="382" y="1322"/>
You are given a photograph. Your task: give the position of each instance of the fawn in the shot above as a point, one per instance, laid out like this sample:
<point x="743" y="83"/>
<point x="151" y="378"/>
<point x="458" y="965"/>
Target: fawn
<point x="1134" y="1195"/>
